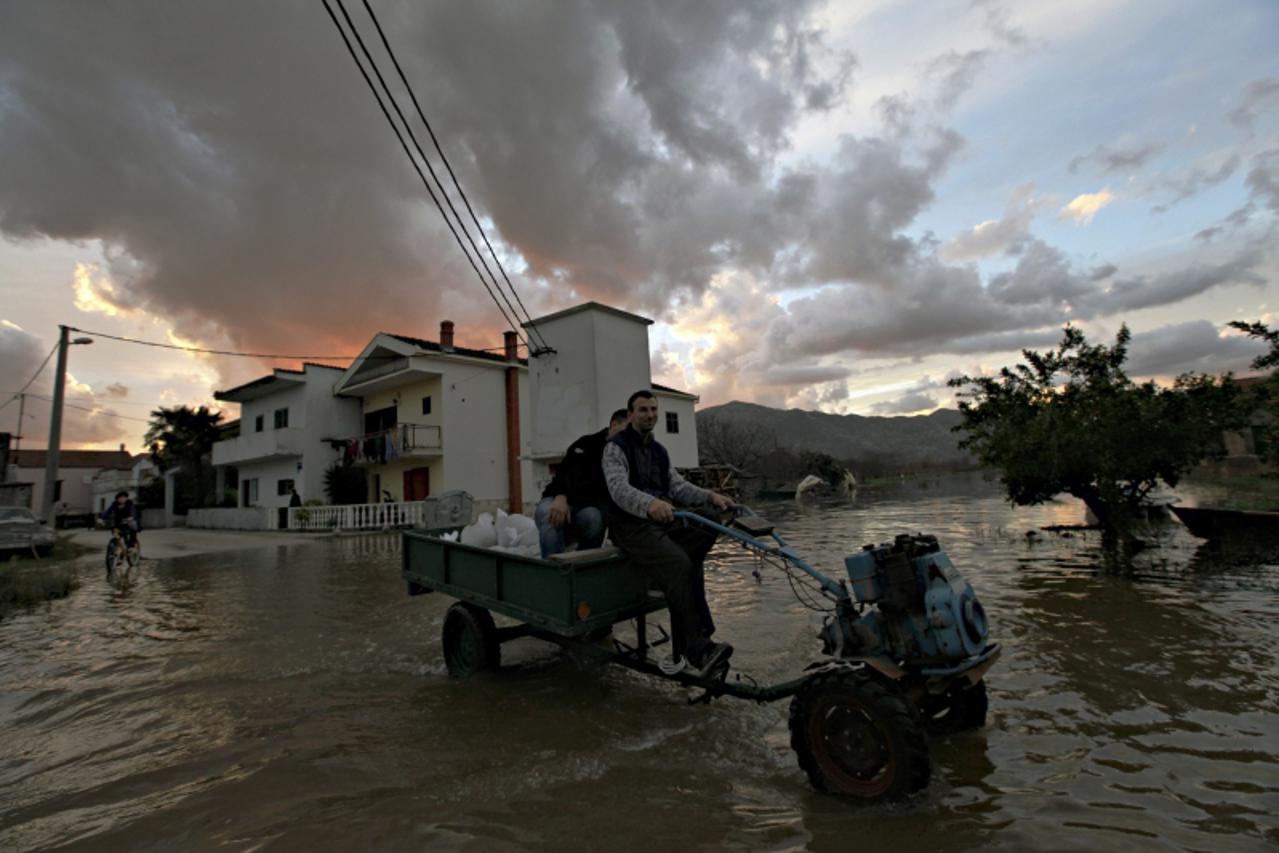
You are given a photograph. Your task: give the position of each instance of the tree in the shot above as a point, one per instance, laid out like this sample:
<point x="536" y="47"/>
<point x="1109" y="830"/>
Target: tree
<point x="345" y="484"/>
<point x="1072" y="421"/>
<point x="1264" y="397"/>
<point x="725" y="442"/>
<point x="183" y="437"/>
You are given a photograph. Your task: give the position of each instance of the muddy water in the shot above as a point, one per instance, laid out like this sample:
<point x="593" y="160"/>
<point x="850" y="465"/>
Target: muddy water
<point x="296" y="697"/>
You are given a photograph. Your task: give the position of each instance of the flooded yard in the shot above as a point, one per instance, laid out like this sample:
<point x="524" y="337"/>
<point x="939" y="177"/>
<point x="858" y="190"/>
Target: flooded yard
<point x="294" y="696"/>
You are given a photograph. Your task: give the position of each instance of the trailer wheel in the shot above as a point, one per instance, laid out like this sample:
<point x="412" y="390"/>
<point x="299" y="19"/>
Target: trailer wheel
<point x="470" y="640"/>
<point x="857" y="737"/>
<point x="958" y="710"/>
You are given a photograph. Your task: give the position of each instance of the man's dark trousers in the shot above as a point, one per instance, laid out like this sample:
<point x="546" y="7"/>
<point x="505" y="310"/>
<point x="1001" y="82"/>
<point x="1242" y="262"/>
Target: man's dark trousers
<point x="672" y="556"/>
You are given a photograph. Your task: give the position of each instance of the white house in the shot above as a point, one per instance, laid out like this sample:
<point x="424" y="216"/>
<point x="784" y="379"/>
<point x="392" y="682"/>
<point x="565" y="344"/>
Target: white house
<point x="438" y="417"/>
<point x="289" y="422"/>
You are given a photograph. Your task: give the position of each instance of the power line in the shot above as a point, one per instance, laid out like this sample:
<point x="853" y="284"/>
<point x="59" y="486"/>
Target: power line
<point x="456" y="184"/>
<point x="235" y="353"/>
<point x="429" y="168"/>
<point x="95" y="411"/>
<point x="399" y="136"/>
<point x="34" y="376"/>
<point x="115" y="402"/>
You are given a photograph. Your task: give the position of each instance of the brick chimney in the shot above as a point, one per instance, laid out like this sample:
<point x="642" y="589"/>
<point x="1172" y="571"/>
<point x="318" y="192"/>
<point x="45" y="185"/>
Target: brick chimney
<point x="446" y="334"/>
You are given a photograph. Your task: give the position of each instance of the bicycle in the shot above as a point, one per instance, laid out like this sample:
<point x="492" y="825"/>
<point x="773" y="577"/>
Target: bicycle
<point x="120" y="551"/>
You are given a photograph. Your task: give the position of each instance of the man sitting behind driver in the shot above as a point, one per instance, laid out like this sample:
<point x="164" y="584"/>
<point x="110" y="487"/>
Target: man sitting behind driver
<point x="573" y="505"/>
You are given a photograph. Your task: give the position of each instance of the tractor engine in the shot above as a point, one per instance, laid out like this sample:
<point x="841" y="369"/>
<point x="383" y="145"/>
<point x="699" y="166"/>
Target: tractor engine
<point x="922" y="610"/>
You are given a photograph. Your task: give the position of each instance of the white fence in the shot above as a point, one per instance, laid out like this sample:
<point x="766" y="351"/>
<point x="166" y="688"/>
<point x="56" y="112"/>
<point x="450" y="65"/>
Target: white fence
<point x="358" y="516"/>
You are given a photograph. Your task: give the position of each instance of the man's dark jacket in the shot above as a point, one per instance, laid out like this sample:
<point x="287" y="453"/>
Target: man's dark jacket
<point x="116" y="515"/>
<point x="580" y="477"/>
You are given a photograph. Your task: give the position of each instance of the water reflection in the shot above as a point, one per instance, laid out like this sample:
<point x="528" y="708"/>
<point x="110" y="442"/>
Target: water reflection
<point x="296" y="695"/>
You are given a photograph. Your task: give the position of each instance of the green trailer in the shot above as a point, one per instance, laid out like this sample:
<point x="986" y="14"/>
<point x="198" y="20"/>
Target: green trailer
<point x="571" y="600"/>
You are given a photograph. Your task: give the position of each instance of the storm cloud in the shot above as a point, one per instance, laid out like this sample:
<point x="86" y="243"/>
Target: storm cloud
<point x="244" y="185"/>
<point x="232" y="160"/>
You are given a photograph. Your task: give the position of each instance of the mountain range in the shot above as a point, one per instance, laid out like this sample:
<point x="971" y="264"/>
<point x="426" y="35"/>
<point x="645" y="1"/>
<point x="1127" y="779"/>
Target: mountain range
<point x="925" y="440"/>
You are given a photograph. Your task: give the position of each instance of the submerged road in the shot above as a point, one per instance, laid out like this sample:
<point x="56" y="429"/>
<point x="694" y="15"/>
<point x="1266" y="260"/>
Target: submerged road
<point x="292" y="696"/>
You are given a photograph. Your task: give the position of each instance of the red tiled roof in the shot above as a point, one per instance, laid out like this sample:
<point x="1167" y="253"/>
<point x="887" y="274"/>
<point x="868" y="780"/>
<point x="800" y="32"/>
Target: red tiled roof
<point x="113" y="459"/>
<point x="434" y="346"/>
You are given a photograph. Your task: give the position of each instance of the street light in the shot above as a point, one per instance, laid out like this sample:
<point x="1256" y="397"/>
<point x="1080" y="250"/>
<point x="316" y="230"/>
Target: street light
<point x="55" y="425"/>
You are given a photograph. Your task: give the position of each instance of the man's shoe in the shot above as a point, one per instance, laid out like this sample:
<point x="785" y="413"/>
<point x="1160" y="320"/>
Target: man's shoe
<point x="712" y="657"/>
<point x="672" y="665"/>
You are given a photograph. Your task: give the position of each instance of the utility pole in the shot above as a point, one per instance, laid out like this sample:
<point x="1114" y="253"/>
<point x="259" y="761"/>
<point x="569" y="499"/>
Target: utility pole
<point x="17" y="435"/>
<point x="55" y="425"/>
<point x="55" y="431"/>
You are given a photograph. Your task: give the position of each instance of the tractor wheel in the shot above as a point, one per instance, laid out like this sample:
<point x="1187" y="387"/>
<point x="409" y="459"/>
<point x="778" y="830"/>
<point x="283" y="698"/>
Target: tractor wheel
<point x="858" y="737"/>
<point x="470" y="640"/>
<point x="958" y="710"/>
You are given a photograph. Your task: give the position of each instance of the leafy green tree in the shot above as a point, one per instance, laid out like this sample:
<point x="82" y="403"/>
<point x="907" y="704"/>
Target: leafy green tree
<point x="183" y="437"/>
<point x="1264" y="398"/>
<point x="1072" y="421"/>
<point x="1265" y="334"/>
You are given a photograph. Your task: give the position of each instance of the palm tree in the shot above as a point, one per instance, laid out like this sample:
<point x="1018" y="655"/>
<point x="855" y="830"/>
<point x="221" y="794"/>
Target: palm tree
<point x="182" y="436"/>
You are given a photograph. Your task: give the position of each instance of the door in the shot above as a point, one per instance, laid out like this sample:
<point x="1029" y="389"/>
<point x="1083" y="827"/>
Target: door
<point x="417" y="484"/>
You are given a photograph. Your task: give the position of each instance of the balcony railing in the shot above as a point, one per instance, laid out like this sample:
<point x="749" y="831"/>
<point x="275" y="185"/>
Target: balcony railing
<point x="259" y="445"/>
<point x="400" y="440"/>
<point x="358" y="516"/>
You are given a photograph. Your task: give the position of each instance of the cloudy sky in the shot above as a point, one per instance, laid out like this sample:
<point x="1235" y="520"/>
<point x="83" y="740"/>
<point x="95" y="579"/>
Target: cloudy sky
<point x="824" y="205"/>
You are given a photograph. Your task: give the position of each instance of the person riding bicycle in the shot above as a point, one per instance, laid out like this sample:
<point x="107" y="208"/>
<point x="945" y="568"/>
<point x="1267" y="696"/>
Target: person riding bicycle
<point x="122" y="517"/>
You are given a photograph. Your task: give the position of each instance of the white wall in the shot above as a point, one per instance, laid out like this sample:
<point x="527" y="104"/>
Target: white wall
<point x="622" y="363"/>
<point x="600" y="359"/>
<point x="474" y="431"/>
<point x="292" y="398"/>
<point x="326" y="417"/>
<point x="268" y="474"/>
<point x="77" y="486"/>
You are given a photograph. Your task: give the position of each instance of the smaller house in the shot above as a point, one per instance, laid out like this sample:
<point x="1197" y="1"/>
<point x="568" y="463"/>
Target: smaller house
<point x="288" y="420"/>
<point x="73" y="490"/>
<point x="108" y="482"/>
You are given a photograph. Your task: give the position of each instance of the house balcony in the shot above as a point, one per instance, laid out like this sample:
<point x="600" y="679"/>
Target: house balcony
<point x="257" y="446"/>
<point x="409" y="441"/>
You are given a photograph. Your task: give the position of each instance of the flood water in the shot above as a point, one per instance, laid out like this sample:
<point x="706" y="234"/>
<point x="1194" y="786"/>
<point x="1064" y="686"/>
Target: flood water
<point x="296" y="697"/>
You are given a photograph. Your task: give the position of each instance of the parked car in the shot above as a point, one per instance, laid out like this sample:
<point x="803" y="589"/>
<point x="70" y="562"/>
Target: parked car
<point x="21" y="530"/>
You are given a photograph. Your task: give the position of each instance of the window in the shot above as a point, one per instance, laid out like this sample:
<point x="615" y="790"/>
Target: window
<point x="281" y="418"/>
<point x="257" y="423"/>
<point x="284" y="487"/>
<point x="426" y="405"/>
<point x="249" y="492"/>
<point x="672" y="422"/>
<point x="381" y="419"/>
<point x="57" y="490"/>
